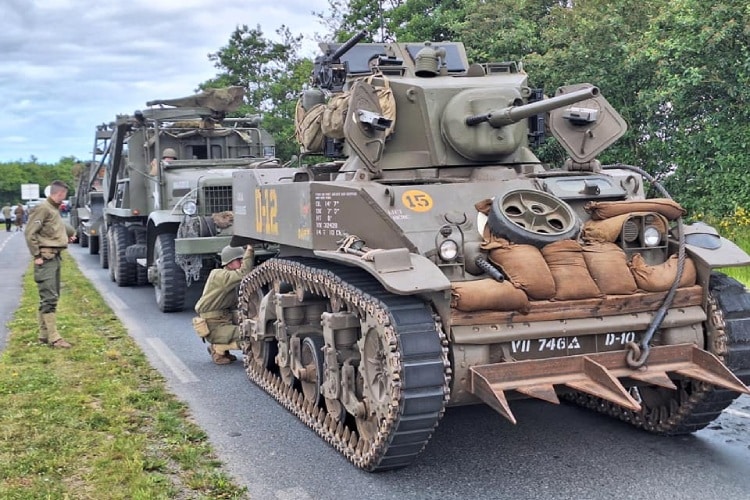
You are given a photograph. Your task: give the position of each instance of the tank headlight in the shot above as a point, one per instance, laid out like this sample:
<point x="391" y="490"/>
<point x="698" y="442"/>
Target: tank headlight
<point x="448" y="250"/>
<point x="189" y="208"/>
<point x="651" y="236"/>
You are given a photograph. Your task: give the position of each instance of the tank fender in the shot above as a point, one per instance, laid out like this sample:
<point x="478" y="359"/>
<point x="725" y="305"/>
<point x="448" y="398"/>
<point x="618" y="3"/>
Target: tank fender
<point x="710" y="250"/>
<point x="728" y="254"/>
<point x="398" y="270"/>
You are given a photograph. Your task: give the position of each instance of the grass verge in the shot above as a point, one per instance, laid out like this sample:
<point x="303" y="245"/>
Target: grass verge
<point x="95" y="421"/>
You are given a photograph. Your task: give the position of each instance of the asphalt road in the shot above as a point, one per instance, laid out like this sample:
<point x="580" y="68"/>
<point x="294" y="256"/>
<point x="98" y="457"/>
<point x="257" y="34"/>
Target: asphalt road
<point x="554" y="452"/>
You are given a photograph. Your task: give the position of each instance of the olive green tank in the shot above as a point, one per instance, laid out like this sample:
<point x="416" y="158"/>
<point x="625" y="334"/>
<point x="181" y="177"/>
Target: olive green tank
<point x="434" y="261"/>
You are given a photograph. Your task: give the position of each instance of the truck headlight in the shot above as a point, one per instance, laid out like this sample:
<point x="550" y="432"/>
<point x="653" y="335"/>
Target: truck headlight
<point x="189" y="208"/>
<point x="651" y="236"/>
<point x="448" y="250"/>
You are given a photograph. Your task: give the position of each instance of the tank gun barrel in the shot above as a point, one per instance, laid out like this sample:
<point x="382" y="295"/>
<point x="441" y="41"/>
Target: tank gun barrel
<point x="505" y="116"/>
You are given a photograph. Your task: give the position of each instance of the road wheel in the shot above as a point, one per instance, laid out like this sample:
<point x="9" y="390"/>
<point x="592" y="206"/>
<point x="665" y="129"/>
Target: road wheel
<point x="169" y="286"/>
<point x="111" y="252"/>
<point x="139" y="236"/>
<point x="532" y="217"/>
<point x="312" y="359"/>
<point x="123" y="271"/>
<point x="93" y="245"/>
<point x="103" y="250"/>
<point x="83" y="238"/>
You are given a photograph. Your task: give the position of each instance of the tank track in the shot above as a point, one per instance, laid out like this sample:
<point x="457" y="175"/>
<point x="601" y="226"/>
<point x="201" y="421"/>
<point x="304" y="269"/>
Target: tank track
<point x="696" y="404"/>
<point x="420" y="391"/>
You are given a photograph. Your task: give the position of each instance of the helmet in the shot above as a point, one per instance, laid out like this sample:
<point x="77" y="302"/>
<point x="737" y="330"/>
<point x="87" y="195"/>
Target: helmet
<point x="169" y="152"/>
<point x="228" y="254"/>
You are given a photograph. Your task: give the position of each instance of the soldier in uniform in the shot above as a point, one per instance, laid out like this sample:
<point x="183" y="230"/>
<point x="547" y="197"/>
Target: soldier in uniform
<point x="218" y="302"/>
<point x="7" y="214"/>
<point x="20" y="214"/>
<point x="47" y="236"/>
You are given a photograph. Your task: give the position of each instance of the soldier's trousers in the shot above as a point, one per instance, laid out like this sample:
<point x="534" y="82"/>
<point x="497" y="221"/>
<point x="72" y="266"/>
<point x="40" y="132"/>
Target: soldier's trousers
<point x="47" y="277"/>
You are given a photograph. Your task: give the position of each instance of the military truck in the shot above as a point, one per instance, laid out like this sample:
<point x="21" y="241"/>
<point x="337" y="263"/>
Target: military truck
<point x="86" y="211"/>
<point x="436" y="261"/>
<point x="168" y="189"/>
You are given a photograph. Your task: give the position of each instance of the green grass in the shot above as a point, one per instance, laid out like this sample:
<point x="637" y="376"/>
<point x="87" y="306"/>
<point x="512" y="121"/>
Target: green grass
<point x="95" y="421"/>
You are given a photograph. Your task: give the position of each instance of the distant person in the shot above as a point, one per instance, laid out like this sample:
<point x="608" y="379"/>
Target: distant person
<point x="20" y="216"/>
<point x="7" y="215"/>
<point x="217" y="305"/>
<point x="47" y="236"/>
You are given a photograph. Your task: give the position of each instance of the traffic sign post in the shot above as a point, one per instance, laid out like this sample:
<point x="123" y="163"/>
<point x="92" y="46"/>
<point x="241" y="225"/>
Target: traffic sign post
<point x="29" y="191"/>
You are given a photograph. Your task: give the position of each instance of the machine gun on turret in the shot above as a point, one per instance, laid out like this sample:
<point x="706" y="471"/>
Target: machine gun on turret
<point x="329" y="72"/>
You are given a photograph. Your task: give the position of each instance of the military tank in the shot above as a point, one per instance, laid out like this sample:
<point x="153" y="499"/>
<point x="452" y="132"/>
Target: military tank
<point x="434" y="260"/>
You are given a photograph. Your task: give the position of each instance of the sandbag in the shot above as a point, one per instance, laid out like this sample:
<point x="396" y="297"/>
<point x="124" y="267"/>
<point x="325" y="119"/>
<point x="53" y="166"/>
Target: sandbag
<point x="308" y="127"/>
<point x="526" y="268"/>
<point x="334" y="116"/>
<point x="659" y="278"/>
<point x="488" y="294"/>
<point x="606" y="209"/>
<point x="608" y="266"/>
<point x="568" y="268"/>
<point x="609" y="230"/>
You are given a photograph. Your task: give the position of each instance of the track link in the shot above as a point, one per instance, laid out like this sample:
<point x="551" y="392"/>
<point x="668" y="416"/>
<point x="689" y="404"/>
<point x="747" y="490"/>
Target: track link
<point x="696" y="404"/>
<point x="417" y="352"/>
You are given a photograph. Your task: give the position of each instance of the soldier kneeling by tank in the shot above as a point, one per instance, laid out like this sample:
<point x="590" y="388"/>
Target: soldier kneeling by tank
<point x="217" y="306"/>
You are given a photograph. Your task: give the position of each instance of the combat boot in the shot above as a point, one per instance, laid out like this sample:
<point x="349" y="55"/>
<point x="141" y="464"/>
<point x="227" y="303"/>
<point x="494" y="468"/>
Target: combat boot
<point x="218" y="357"/>
<point x="53" y="336"/>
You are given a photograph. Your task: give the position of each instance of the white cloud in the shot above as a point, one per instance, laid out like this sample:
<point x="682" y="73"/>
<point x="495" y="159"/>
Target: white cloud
<point x="69" y="65"/>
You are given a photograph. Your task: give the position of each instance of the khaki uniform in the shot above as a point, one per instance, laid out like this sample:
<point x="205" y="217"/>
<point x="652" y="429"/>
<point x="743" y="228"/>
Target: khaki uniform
<point x="219" y="301"/>
<point x="47" y="236"/>
<point x="20" y="212"/>
<point x="7" y="214"/>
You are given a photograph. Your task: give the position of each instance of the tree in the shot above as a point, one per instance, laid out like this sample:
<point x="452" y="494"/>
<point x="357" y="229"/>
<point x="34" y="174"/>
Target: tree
<point x="273" y="74"/>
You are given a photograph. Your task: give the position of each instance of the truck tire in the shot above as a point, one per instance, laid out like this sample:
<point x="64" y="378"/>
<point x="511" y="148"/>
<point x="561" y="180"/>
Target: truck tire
<point x="93" y="245"/>
<point x="139" y="237"/>
<point x="123" y="271"/>
<point x="170" y="285"/>
<point x="103" y="250"/>
<point x="83" y="238"/>
<point x="532" y="217"/>
<point x="111" y="251"/>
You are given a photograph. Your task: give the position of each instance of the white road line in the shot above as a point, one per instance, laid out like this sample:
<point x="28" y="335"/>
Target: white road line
<point x="737" y="413"/>
<point x="170" y="359"/>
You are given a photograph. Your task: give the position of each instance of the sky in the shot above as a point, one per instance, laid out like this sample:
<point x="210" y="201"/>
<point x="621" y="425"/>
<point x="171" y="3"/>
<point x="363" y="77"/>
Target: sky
<point x="67" y="66"/>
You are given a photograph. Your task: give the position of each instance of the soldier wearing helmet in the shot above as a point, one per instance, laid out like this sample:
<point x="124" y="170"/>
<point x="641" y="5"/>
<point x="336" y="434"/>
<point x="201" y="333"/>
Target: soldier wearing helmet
<point x="215" y="308"/>
<point x="168" y="154"/>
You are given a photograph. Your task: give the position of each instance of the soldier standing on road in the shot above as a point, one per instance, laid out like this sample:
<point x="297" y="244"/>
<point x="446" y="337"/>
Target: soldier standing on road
<point x="218" y="302"/>
<point x="47" y="236"/>
<point x="20" y="214"/>
<point x="7" y="213"/>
